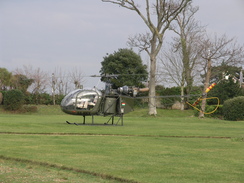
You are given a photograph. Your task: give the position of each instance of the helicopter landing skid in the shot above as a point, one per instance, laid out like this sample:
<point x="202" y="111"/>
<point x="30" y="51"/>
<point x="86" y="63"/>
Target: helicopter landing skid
<point x="111" y="119"/>
<point x="74" y="123"/>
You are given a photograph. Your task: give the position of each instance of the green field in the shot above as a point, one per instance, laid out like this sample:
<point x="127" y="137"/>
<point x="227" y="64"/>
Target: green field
<point x="173" y="147"/>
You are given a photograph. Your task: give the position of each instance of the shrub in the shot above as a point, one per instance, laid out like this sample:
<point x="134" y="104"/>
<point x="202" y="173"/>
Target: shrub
<point x="168" y="100"/>
<point x="1" y="98"/>
<point x="172" y="95"/>
<point x="13" y="100"/>
<point x="233" y="109"/>
<point x="224" y="90"/>
<point x="218" y="113"/>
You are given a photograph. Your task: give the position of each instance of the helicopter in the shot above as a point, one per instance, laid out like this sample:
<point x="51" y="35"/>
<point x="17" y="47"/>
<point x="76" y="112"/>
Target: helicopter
<point x="93" y="102"/>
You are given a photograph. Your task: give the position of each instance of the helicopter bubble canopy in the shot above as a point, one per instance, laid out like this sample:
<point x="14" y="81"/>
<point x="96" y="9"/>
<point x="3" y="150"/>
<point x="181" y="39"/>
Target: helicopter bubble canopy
<point x="80" y="99"/>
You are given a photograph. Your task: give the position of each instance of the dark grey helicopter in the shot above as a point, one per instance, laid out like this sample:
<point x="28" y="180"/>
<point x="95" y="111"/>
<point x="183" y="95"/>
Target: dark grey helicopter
<point x="110" y="102"/>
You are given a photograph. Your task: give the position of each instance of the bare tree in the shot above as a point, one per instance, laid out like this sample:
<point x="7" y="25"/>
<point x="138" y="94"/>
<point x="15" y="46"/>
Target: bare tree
<point x="60" y="82"/>
<point x="40" y="78"/>
<point x="172" y="69"/>
<point x="157" y="16"/>
<point x="77" y="78"/>
<point x="20" y="82"/>
<point x="40" y="81"/>
<point x="179" y="63"/>
<point x="188" y="41"/>
<point x="216" y="50"/>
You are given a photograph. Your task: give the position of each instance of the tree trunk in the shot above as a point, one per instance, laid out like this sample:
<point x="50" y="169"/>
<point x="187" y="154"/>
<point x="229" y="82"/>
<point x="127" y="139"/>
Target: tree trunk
<point x="206" y="85"/>
<point x="182" y="107"/>
<point x="152" y="84"/>
<point x="187" y="68"/>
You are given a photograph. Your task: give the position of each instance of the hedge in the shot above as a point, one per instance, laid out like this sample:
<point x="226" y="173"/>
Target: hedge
<point x="233" y="109"/>
<point x="13" y="100"/>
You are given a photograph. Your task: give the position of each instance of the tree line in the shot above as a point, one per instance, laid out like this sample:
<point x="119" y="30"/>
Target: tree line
<point x="38" y="86"/>
<point x="124" y="67"/>
<point x="193" y="58"/>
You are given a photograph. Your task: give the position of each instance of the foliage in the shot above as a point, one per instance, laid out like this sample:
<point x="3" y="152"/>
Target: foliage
<point x="224" y="90"/>
<point x="171" y="95"/>
<point x="5" y="78"/>
<point x="13" y="100"/>
<point x="21" y="82"/>
<point x="128" y="67"/>
<point x="219" y="72"/>
<point x="167" y="94"/>
<point x="209" y="108"/>
<point x="218" y="113"/>
<point x="59" y="99"/>
<point x="233" y="109"/>
<point x="42" y="98"/>
<point x="1" y="98"/>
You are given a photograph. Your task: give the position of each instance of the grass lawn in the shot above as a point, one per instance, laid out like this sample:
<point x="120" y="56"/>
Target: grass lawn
<point x="173" y="147"/>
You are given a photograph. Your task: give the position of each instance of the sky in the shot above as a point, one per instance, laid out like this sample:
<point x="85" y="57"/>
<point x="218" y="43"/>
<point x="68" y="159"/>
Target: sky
<point x="77" y="34"/>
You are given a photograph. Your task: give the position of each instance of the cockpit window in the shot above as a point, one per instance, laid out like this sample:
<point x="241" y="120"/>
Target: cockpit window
<point x="86" y="100"/>
<point x="82" y="99"/>
<point x="70" y="98"/>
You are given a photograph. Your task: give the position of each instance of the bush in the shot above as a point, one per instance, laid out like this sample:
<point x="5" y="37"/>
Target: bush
<point x="13" y="100"/>
<point x="233" y="109"/>
<point x="1" y="98"/>
<point x="172" y="95"/>
<point x="210" y="108"/>
<point x="224" y="90"/>
<point x="168" y="100"/>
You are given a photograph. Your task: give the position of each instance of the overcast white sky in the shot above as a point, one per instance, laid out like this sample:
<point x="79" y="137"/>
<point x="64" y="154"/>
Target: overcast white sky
<point x="71" y="34"/>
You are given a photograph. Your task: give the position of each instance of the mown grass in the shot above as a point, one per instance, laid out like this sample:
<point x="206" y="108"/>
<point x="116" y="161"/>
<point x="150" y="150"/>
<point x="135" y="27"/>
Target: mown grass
<point x="174" y="147"/>
<point x="13" y="171"/>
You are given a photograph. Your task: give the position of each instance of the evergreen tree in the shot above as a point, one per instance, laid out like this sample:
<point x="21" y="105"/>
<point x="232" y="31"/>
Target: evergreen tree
<point x="226" y="89"/>
<point x="5" y="77"/>
<point x="126" y="67"/>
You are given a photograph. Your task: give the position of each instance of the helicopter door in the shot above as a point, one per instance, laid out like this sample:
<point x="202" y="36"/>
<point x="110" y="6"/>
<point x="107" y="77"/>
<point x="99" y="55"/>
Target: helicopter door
<point x="110" y="105"/>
